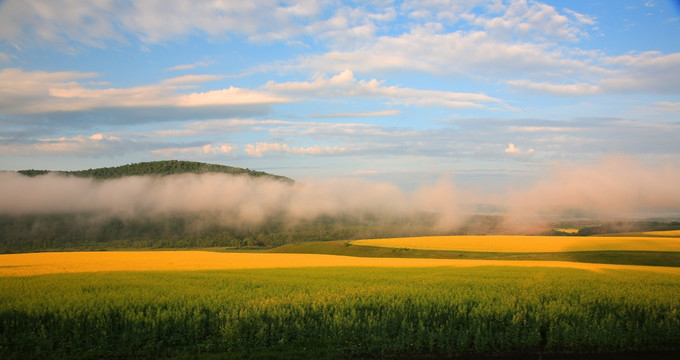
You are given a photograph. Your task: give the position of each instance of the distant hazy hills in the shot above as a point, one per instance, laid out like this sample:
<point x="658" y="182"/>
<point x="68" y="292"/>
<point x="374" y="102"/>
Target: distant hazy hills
<point x="159" y="168"/>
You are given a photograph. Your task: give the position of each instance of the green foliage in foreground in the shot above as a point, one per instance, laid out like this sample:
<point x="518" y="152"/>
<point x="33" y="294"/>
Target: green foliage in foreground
<point x="338" y="312"/>
<point x="168" y="167"/>
<point x="648" y="258"/>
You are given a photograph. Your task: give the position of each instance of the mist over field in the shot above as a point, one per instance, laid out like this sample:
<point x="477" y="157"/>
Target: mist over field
<point x="615" y="186"/>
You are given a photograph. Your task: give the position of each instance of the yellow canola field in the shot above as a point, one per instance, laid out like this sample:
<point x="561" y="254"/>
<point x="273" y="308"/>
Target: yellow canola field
<point x="671" y="233"/>
<point x="79" y="262"/>
<point x="519" y="244"/>
<point x="567" y="230"/>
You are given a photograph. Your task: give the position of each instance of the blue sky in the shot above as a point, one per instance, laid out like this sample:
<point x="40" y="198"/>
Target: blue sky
<point x="487" y="92"/>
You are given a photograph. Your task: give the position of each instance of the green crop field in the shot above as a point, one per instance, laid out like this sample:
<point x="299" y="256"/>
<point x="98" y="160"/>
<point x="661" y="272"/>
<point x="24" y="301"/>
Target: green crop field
<point x="340" y="312"/>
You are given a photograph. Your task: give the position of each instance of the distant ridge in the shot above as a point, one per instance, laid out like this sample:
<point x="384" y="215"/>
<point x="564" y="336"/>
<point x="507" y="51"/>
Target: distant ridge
<point x="158" y="168"/>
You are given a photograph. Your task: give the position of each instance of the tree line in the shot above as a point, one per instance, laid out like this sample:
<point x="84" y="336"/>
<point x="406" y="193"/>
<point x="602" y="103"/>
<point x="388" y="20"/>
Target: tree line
<point x="159" y="168"/>
<point x="45" y="232"/>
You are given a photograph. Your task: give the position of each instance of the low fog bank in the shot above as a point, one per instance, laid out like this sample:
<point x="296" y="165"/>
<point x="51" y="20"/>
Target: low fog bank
<point x="237" y="199"/>
<point x="613" y="187"/>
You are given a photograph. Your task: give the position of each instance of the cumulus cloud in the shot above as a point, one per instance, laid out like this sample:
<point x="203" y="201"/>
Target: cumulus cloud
<point x="579" y="89"/>
<point x="45" y="92"/>
<point x="96" y="144"/>
<point x="207" y="149"/>
<point x="261" y="148"/>
<point x="192" y="79"/>
<point x="359" y="114"/>
<point x="533" y="20"/>
<point x="518" y="40"/>
<point x="457" y="53"/>
<point x="649" y="72"/>
<point x="512" y="149"/>
<point x="188" y="66"/>
<point x="644" y="72"/>
<point x="365" y="172"/>
<point x="96" y="23"/>
<point x="345" y="84"/>
<point x="54" y="21"/>
<point x="457" y="138"/>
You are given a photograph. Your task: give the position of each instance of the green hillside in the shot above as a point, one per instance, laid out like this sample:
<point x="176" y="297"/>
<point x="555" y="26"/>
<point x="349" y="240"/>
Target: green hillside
<point x="160" y="168"/>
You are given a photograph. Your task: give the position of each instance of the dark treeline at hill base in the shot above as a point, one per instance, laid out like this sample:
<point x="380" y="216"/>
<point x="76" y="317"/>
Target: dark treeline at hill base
<point x="27" y="233"/>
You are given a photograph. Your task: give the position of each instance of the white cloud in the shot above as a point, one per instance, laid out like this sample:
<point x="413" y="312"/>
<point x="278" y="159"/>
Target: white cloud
<point x="192" y="79"/>
<point x="556" y="89"/>
<point x="44" y="92"/>
<point x="207" y="149"/>
<point x="511" y="149"/>
<point x="359" y="114"/>
<point x="91" y="22"/>
<point x="94" y="23"/>
<point x="442" y="10"/>
<point x="188" y="66"/>
<point x="457" y="53"/>
<point x="473" y="139"/>
<point x="261" y="148"/>
<point x="60" y="22"/>
<point x="582" y="18"/>
<point x="208" y="127"/>
<point x="230" y="96"/>
<point x="535" y="129"/>
<point x="345" y="85"/>
<point x="651" y="72"/>
<point x="96" y="144"/>
<point x="532" y="20"/>
<point x="644" y="72"/>
<point x="350" y="133"/>
<point x="365" y="172"/>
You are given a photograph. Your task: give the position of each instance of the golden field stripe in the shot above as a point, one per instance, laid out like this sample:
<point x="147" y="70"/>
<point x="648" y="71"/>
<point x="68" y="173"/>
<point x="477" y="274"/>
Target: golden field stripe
<point x="81" y="262"/>
<point x="675" y="233"/>
<point x="519" y="243"/>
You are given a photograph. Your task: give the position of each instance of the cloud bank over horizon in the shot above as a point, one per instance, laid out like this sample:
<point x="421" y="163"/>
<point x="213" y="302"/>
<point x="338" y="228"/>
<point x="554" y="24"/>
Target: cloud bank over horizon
<point x="612" y="188"/>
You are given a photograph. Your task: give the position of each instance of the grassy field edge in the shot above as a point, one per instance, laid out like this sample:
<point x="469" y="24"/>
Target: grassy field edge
<point x="647" y="258"/>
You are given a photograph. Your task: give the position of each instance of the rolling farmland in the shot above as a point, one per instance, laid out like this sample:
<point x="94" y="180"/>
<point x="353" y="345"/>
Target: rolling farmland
<point x="306" y="179"/>
<point x="671" y="233"/>
<point x="518" y="243"/>
<point x="107" y="261"/>
<point x="147" y="304"/>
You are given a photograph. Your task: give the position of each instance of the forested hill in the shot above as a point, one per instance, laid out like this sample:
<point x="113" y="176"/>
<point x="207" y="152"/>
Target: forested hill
<point x="160" y="168"/>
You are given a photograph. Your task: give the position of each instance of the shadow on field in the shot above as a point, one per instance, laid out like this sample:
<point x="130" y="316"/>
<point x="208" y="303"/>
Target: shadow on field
<point x="647" y="258"/>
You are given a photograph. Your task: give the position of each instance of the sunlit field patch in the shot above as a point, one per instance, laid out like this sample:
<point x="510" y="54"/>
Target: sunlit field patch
<point x="518" y="244"/>
<point x="83" y="262"/>
<point x="567" y="230"/>
<point x="671" y="233"/>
